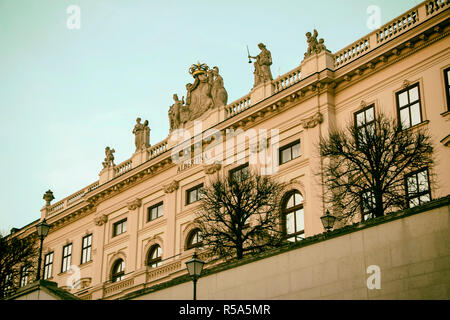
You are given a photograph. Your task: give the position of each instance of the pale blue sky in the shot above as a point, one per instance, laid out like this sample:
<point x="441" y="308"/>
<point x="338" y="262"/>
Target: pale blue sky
<point x="66" y="94"/>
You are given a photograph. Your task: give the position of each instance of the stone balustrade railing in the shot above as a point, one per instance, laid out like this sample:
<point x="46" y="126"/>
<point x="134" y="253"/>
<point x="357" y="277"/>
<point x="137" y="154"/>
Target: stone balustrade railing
<point x="435" y="6"/>
<point x="351" y="52"/>
<point x="122" y="167"/>
<point x="394" y="28"/>
<point x="397" y="26"/>
<point x="164" y="270"/>
<point x="114" y="287"/>
<point x="71" y="200"/>
<point x="286" y="80"/>
<point x="237" y="106"/>
<point x="157" y="149"/>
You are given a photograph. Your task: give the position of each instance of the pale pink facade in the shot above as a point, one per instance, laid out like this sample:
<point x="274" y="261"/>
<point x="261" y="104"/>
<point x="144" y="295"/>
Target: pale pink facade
<point x="323" y="92"/>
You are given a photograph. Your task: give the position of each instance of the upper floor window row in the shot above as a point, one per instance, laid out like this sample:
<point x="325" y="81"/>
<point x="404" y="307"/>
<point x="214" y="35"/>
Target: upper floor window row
<point x="119" y="227"/>
<point x="194" y="194"/>
<point x="409" y="106"/>
<point x="289" y="152"/>
<point x="155" y="211"/>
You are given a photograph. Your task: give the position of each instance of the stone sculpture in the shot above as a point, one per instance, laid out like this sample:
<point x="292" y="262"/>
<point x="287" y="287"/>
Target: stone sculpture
<point x="262" y="65"/>
<point x="314" y="46"/>
<point x="205" y="93"/>
<point x="109" y="158"/>
<point x="219" y="94"/>
<point x="141" y="133"/>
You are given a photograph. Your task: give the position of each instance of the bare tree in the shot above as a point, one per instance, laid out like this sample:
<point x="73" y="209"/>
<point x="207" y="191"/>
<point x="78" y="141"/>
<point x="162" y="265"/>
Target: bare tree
<point x="240" y="215"/>
<point x="366" y="167"/>
<point x="15" y="253"/>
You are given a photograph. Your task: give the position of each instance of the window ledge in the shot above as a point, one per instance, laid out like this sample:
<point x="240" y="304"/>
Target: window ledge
<point x="446" y="113"/>
<point x="86" y="263"/>
<point x="419" y="125"/>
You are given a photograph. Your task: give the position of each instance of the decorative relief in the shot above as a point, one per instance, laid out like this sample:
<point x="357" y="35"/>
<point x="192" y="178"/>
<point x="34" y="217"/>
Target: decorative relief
<point x="312" y="121"/>
<point x="207" y="92"/>
<point x="133" y="205"/>
<point x="212" y="168"/>
<point x="99" y="221"/>
<point x="406" y="83"/>
<point x="171" y="187"/>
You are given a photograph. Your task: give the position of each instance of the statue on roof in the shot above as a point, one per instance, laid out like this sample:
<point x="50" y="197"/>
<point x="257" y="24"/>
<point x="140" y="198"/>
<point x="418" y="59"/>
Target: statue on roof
<point x="314" y="46"/>
<point x="109" y="158"/>
<point x="141" y="133"/>
<point x="262" y="65"/>
<point x="207" y="92"/>
<point x="218" y="92"/>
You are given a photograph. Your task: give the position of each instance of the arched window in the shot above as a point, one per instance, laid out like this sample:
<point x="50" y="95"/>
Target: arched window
<point x="293" y="217"/>
<point x="194" y="239"/>
<point x="118" y="271"/>
<point x="154" y="256"/>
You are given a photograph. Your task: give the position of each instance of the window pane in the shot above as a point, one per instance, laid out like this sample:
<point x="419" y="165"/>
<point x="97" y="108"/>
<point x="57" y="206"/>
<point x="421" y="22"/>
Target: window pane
<point x="412" y="185"/>
<point x="370" y="116"/>
<point x="290" y="226"/>
<point x="360" y="119"/>
<point x="448" y="77"/>
<point x="415" y="114"/>
<point x="403" y="99"/>
<point x="290" y="202"/>
<point x="404" y="118"/>
<point x="299" y="220"/>
<point x="296" y="150"/>
<point x="192" y="196"/>
<point x="424" y="198"/>
<point x="285" y="155"/>
<point x="414" y="94"/>
<point x="413" y="202"/>
<point x="423" y="181"/>
<point x="298" y="198"/>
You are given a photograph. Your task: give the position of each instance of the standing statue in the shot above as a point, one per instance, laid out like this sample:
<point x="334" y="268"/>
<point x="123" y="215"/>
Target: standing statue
<point x="109" y="158"/>
<point x="141" y="133"/>
<point x="218" y="92"/>
<point x="146" y="135"/>
<point x="175" y="112"/>
<point x="262" y="65"/>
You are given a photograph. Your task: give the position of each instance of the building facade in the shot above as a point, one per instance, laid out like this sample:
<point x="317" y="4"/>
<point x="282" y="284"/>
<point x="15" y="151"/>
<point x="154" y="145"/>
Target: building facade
<point x="134" y="227"/>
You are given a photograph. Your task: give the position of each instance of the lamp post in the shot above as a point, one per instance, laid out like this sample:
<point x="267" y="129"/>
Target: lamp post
<point x="328" y="221"/>
<point x="42" y="229"/>
<point x="195" y="267"/>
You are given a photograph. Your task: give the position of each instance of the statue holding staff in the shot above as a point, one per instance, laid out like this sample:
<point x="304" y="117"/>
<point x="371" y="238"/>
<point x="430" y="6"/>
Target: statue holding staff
<point x="262" y="65"/>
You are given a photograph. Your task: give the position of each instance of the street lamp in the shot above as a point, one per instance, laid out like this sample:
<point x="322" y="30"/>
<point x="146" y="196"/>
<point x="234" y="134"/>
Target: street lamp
<point x="328" y="221"/>
<point x="195" y="267"/>
<point x="42" y="229"/>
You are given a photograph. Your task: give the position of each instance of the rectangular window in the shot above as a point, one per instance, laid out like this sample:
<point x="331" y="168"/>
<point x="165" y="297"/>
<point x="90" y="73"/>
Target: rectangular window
<point x="289" y="152"/>
<point x="155" y="211"/>
<point x="24" y="276"/>
<point x="194" y="194"/>
<point x="408" y="105"/>
<point x="367" y="205"/>
<point x="447" y="86"/>
<point x="86" y="249"/>
<point x="67" y="258"/>
<point x="48" y="265"/>
<point x="418" y="188"/>
<point x="239" y="172"/>
<point x="119" y="227"/>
